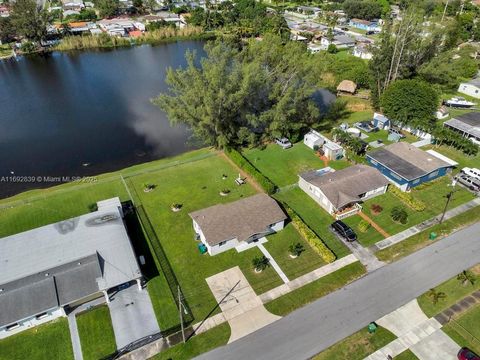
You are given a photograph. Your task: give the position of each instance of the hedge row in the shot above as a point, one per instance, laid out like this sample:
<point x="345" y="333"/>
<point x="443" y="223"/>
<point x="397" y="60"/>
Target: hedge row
<point x="244" y="164"/>
<point x="313" y="240"/>
<point x="407" y="199"/>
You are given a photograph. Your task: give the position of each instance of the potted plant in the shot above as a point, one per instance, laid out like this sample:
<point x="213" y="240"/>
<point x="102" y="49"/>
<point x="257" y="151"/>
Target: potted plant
<point x="260" y="263"/>
<point x="295" y="250"/>
<point x="176" y="207"/>
<point x="147" y="187"/>
<point x="224" y="192"/>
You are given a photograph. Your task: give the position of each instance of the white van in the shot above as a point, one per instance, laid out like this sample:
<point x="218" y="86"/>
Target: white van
<point x="473" y="172"/>
<point x="470" y="182"/>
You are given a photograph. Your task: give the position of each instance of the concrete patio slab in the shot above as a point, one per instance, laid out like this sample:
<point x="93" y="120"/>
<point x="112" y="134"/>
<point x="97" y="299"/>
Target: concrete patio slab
<point x="436" y="346"/>
<point x="240" y="305"/>
<point x="404" y="319"/>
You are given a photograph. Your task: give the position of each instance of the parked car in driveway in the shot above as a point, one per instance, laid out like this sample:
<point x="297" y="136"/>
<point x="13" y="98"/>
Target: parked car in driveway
<point x="469" y="182"/>
<point x="467" y="354"/>
<point x="344" y="230"/>
<point x="473" y="172"/>
<point x="284" y="143"/>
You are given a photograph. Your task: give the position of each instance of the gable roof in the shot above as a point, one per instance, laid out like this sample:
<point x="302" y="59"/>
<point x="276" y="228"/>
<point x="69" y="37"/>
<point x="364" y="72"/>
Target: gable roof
<point x="239" y="219"/>
<point x="345" y="186"/>
<point x="406" y="160"/>
<point x="380" y="118"/>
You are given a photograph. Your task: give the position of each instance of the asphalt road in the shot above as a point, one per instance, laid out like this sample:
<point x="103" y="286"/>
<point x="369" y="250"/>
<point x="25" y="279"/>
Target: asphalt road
<point x="313" y="328"/>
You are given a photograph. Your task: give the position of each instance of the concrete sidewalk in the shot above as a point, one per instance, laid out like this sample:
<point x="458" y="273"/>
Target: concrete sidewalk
<point x="395" y="239"/>
<point x="273" y="263"/>
<point x="75" y="338"/>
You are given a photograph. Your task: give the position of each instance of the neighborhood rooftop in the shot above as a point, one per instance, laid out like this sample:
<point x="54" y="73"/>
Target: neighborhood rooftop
<point x="468" y="123"/>
<point x="407" y="160"/>
<point x="240" y="219"/>
<point x="63" y="262"/>
<point x="345" y="186"/>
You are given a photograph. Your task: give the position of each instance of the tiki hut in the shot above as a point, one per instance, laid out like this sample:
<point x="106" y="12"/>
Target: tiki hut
<point x="346" y="87"/>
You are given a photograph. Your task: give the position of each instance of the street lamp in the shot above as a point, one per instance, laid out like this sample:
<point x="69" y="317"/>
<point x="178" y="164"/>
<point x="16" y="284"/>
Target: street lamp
<point x="449" y="197"/>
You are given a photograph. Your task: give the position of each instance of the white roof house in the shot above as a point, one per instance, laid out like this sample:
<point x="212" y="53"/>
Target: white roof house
<point x="471" y="88"/>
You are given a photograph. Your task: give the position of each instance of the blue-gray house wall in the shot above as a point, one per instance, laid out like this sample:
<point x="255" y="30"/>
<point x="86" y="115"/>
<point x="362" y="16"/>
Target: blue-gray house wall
<point x="403" y="183"/>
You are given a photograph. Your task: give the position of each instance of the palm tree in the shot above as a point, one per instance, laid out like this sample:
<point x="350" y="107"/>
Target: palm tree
<point x="296" y="249"/>
<point x="260" y="263"/>
<point x="435" y="296"/>
<point x="466" y="277"/>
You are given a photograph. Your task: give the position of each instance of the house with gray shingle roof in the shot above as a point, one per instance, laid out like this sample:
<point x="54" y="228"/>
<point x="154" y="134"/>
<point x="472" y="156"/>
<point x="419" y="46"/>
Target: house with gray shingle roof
<point x="46" y="269"/>
<point x="225" y="226"/>
<point x="468" y="125"/>
<point x="341" y="192"/>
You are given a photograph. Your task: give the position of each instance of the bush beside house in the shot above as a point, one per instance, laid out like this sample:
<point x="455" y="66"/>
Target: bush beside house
<point x="407" y="199"/>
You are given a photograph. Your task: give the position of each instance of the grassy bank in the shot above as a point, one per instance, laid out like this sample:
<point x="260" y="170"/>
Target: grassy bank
<point x="96" y="333"/>
<point x="358" y="345"/>
<point x="50" y="341"/>
<point x="150" y="37"/>
<point x="308" y="293"/>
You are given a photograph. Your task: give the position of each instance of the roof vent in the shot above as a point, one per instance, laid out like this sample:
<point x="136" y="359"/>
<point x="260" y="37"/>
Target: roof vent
<point x="46" y="274"/>
<point x="429" y="159"/>
<point x="1" y="290"/>
<point x="79" y="263"/>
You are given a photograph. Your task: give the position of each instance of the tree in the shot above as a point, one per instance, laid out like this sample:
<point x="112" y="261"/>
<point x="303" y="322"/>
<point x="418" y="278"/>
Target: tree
<point x="7" y="31"/>
<point x="242" y="96"/>
<point x="332" y="49"/>
<point x="399" y="214"/>
<point x="362" y="9"/>
<point x="466" y="277"/>
<point x="260" y="263"/>
<point x="435" y="296"/>
<point x="296" y="249"/>
<point x="29" y="20"/>
<point x="410" y="102"/>
<point x="107" y="8"/>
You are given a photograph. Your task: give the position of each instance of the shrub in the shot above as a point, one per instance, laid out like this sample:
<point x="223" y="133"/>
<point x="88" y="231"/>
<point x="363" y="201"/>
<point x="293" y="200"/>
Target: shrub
<point x="407" y="199"/>
<point x="399" y="214"/>
<point x="260" y="263"/>
<point x="312" y="239"/>
<point x="376" y="209"/>
<point x="363" y="226"/>
<point x="296" y="249"/>
<point x="244" y="164"/>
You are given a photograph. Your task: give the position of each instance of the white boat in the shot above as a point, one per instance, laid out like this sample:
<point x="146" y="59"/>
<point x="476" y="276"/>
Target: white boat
<point x="458" y="102"/>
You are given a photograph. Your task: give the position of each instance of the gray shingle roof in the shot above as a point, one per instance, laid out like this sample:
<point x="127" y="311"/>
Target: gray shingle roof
<point x="345" y="186"/>
<point x="406" y="160"/>
<point x="469" y="123"/>
<point x="239" y="219"/>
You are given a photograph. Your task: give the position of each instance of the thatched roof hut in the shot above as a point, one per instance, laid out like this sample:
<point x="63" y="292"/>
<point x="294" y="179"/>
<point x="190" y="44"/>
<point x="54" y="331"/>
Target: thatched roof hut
<point x="347" y="87"/>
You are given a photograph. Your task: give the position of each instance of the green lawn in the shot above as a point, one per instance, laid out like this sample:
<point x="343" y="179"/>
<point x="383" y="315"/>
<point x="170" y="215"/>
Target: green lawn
<point x="278" y="245"/>
<point x="367" y="238"/>
<point x="406" y="355"/>
<point x="50" y="341"/>
<point x="195" y="185"/>
<point x="432" y="193"/>
<point x="465" y="330"/>
<point x="357" y="346"/>
<point x="314" y="216"/>
<point x="454" y="292"/>
<point x="96" y="333"/>
<point x="283" y="166"/>
<point x="197" y="345"/>
<point x="321" y="287"/>
<point x="421" y="239"/>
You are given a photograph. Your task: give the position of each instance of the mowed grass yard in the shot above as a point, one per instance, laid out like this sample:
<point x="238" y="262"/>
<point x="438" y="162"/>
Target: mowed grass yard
<point x="283" y="166"/>
<point x="357" y="346"/>
<point x="465" y="330"/>
<point x="196" y="186"/>
<point x="96" y="333"/>
<point x="50" y="341"/>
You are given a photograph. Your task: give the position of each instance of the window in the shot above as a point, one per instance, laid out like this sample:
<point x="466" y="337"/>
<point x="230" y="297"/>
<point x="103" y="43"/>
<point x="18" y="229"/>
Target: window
<point x="41" y="316"/>
<point x="392" y="174"/>
<point x="12" y="326"/>
<point x="373" y="162"/>
<point x="222" y="243"/>
<point x="433" y="174"/>
<point x="416" y="181"/>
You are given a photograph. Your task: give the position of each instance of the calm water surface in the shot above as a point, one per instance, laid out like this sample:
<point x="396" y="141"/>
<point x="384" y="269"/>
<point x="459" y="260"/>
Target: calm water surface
<point x="62" y="111"/>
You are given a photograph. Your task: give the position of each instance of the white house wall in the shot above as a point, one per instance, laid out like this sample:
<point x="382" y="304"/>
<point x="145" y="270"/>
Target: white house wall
<point x="375" y="192"/>
<point x="315" y="193"/>
<point x="31" y="322"/>
<point x="278" y="226"/>
<point x="217" y="249"/>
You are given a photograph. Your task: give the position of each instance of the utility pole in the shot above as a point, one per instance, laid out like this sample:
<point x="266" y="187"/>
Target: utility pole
<point x="449" y="197"/>
<point x="180" y="312"/>
<point x="444" y="11"/>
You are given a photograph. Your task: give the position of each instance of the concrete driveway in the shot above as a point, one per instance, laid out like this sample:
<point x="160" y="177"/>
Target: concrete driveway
<point x="132" y="315"/>
<point x="240" y="305"/>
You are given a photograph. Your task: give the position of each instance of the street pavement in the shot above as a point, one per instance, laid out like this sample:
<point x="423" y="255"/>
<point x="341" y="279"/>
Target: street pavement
<point x="313" y="328"/>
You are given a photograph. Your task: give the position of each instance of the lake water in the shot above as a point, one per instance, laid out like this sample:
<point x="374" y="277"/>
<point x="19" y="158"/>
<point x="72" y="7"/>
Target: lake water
<point x="62" y="111"/>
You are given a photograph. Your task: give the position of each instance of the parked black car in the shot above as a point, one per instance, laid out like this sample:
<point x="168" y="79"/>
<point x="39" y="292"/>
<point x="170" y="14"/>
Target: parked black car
<point x="344" y="230"/>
